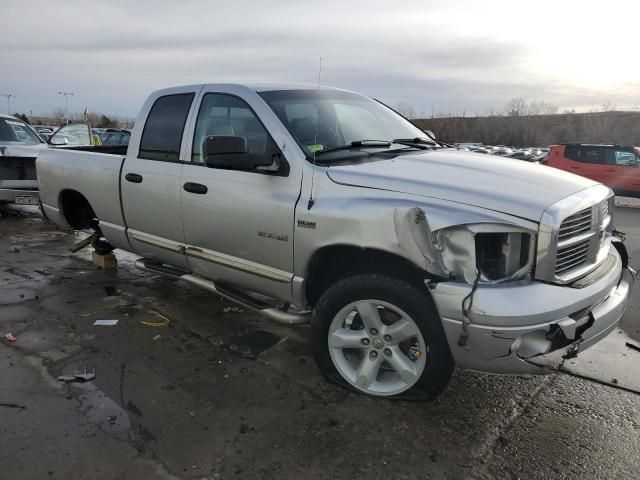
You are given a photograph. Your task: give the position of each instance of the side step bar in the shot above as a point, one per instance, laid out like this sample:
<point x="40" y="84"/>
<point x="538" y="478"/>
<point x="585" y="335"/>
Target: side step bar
<point x="154" y="267"/>
<point x="275" y="314"/>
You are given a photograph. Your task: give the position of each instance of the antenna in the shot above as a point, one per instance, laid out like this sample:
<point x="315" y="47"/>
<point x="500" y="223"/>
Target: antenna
<point x="315" y="138"/>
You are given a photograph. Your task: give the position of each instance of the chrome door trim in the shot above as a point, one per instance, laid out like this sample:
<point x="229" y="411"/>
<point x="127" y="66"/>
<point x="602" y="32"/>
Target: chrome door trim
<point x="239" y="264"/>
<point x="157" y="242"/>
<point x="216" y="257"/>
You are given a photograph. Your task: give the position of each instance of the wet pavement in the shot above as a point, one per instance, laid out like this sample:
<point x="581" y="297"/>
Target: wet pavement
<point x="175" y="401"/>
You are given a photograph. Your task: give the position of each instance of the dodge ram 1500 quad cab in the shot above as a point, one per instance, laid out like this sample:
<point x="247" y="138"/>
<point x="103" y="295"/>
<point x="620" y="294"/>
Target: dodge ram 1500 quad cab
<point x="323" y="206"/>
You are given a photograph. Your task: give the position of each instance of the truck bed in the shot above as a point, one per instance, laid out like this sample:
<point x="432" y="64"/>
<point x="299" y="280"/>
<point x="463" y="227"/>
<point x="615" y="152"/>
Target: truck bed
<point x="94" y="175"/>
<point x="110" y="149"/>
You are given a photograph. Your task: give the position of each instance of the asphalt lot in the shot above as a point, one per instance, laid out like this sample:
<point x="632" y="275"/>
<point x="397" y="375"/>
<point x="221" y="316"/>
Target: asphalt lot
<point x="172" y="402"/>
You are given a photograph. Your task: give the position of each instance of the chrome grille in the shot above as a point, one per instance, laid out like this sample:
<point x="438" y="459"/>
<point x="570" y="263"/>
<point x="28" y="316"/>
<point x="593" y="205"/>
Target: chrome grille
<point x="576" y="224"/>
<point x="572" y="256"/>
<point x="573" y="237"/>
<point x="574" y="240"/>
<point x="604" y="209"/>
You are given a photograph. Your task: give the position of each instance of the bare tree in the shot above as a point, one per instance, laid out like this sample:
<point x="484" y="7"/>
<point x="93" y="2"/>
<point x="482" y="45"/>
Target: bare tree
<point x="406" y="110"/>
<point x="516" y="107"/>
<point x="59" y="115"/>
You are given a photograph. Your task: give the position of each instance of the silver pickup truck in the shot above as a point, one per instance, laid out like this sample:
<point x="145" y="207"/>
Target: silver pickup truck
<point x="323" y="206"/>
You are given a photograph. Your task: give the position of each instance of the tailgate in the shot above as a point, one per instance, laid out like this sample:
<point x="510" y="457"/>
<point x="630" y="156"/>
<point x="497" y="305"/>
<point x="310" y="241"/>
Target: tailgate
<point x="18" y="173"/>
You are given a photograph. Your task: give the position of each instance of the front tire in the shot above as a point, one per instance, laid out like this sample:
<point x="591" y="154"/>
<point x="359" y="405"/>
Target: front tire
<point x="381" y="336"/>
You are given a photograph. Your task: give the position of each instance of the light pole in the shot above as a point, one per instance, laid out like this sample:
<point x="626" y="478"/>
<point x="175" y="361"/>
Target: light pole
<point x="9" y="96"/>
<point x="66" y="104"/>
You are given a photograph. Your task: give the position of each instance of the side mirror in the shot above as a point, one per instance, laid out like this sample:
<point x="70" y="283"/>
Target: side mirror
<point x="231" y="153"/>
<point x="58" y="140"/>
<point x="224" y="145"/>
<point x="430" y="134"/>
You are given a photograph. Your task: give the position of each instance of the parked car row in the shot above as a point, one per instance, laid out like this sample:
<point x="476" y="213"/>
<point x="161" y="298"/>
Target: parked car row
<point x="44" y="132"/>
<point x="530" y="154"/>
<point x="82" y="135"/>
<point x="114" y="136"/>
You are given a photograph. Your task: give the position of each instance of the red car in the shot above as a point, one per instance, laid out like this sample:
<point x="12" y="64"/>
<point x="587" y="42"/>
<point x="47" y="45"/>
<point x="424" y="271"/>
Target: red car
<point x="617" y="166"/>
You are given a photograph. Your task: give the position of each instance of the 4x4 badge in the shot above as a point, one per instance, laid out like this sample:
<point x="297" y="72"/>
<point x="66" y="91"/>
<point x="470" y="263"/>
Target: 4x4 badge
<point x="306" y="224"/>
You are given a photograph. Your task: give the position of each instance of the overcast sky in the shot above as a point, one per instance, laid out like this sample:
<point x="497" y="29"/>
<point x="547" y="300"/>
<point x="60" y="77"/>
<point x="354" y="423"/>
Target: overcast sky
<point x="455" y="55"/>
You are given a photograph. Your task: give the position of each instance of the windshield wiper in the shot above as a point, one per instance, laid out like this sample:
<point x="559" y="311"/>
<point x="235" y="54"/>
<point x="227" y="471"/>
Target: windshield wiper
<point x="357" y="144"/>
<point x="420" y="142"/>
<point x="417" y="142"/>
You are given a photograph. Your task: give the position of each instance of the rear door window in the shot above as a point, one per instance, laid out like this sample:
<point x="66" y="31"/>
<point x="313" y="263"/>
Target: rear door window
<point x="588" y="154"/>
<point x="595" y="155"/>
<point x="162" y="134"/>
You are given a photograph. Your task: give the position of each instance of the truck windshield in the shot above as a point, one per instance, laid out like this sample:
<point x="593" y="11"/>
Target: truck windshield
<point x="345" y="119"/>
<point x="15" y="132"/>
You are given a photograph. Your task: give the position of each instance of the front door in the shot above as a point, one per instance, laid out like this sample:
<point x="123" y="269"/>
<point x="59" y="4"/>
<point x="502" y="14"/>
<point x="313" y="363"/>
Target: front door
<point x="72" y="135"/>
<point x="238" y="225"/>
<point x="587" y="161"/>
<point x="151" y="187"/>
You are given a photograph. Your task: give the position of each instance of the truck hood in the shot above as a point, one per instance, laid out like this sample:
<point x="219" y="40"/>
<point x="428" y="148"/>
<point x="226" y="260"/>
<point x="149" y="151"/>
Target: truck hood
<point x="505" y="185"/>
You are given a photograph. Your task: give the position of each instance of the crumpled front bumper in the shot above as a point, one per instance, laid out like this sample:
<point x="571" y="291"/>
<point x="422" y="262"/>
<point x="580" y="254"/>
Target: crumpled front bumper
<point x="512" y="324"/>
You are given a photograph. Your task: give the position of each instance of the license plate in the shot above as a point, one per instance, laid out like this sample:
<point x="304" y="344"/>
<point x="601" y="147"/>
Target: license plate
<point x="27" y="199"/>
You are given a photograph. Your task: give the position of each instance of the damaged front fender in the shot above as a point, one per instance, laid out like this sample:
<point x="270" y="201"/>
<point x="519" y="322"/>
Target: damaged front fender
<point x="416" y="240"/>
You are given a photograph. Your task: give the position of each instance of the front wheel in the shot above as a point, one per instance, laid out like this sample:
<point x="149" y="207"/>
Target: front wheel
<point x="381" y="336"/>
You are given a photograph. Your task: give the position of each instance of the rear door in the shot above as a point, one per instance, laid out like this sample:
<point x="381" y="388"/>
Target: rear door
<point x="588" y="161"/>
<point x="239" y="224"/>
<point x="150" y="179"/>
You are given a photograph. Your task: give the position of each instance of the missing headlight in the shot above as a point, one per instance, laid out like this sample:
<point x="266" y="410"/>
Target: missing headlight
<point x="495" y="252"/>
<point x="502" y="255"/>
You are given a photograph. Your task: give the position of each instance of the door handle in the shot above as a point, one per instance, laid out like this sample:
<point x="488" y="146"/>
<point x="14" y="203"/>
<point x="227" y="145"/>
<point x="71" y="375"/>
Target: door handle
<point x="133" y="178"/>
<point x="195" y="188"/>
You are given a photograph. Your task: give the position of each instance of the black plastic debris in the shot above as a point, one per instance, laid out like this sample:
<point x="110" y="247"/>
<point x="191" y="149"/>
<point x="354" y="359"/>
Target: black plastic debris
<point x="13" y="405"/>
<point x="111" y="291"/>
<point x="252" y="344"/>
<point x="633" y="346"/>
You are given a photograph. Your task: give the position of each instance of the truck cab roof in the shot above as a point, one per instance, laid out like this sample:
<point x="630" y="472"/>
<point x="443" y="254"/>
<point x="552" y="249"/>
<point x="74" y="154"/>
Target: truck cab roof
<point x="258" y="87"/>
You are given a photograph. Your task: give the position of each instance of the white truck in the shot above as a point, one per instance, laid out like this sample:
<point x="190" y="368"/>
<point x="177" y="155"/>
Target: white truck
<point x="323" y="206"/>
<point x="19" y="147"/>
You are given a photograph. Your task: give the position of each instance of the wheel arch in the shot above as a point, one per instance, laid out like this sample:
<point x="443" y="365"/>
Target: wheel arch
<point x="331" y="263"/>
<point x="76" y="209"/>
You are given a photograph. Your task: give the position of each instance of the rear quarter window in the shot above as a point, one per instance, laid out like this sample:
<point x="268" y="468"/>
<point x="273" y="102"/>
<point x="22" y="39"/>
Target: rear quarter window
<point x="162" y="134"/>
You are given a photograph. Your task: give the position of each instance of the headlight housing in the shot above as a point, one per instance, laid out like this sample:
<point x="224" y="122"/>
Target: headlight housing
<point x="495" y="252"/>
